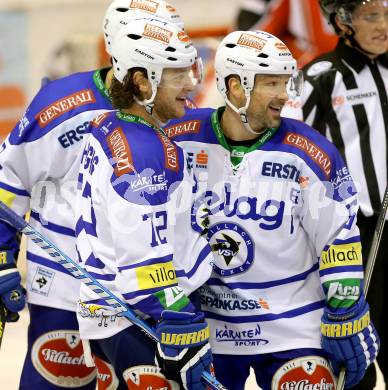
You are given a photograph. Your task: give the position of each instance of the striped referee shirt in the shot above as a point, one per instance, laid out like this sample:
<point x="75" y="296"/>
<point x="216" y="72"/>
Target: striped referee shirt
<point x="345" y="98"/>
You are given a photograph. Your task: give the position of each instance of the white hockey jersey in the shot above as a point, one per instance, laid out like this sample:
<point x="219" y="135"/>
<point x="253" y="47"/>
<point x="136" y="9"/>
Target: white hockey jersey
<point x="36" y="165"/>
<point x="133" y="224"/>
<point x="281" y="220"/>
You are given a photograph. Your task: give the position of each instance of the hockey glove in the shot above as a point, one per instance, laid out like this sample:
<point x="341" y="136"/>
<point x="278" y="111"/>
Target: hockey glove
<point x="11" y="292"/>
<point x="183" y="352"/>
<point x="351" y="341"/>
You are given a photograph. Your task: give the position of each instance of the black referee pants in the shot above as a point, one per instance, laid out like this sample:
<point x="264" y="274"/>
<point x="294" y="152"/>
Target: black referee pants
<point x="377" y="295"/>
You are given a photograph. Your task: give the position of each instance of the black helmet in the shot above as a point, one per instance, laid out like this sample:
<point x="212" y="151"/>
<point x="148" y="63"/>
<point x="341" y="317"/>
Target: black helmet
<point x="343" y="8"/>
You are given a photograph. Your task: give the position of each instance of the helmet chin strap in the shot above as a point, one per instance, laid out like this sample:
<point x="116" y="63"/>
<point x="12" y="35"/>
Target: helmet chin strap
<point x="242" y="112"/>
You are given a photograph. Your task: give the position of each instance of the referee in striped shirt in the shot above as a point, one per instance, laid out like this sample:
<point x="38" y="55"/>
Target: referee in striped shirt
<point x="345" y="98"/>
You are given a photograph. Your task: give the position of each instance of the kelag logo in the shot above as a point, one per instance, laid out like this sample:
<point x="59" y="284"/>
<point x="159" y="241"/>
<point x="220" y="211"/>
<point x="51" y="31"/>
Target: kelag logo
<point x="269" y="214"/>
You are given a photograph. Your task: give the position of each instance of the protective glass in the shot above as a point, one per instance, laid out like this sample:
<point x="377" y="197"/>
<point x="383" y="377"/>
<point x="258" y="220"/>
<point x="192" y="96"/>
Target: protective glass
<point x="295" y="85"/>
<point x="189" y="77"/>
<point x="278" y="85"/>
<point x="369" y="11"/>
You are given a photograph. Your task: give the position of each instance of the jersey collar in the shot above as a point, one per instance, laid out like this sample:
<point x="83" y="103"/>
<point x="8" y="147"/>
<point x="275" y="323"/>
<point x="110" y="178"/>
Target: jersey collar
<point x="137" y="119"/>
<point x="237" y="153"/>
<point x="99" y="82"/>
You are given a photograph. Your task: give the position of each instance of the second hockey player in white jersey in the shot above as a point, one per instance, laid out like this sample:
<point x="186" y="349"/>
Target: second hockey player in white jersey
<point x="279" y="208"/>
<point x="130" y="234"/>
<point x="35" y="163"/>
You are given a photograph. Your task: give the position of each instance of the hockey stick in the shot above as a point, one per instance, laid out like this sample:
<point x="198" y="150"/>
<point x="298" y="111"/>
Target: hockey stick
<point x="370" y="264"/>
<point x="78" y="272"/>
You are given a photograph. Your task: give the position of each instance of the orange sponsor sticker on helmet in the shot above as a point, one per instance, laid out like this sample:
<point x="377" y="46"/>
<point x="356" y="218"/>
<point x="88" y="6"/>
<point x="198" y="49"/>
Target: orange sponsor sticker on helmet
<point x="281" y="46"/>
<point x="251" y="40"/>
<point x="157" y="33"/>
<point x="170" y="8"/>
<point x="144" y="5"/>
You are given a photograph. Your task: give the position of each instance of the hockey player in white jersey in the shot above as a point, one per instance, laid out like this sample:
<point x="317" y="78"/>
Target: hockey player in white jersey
<point x="134" y="232"/>
<point x="279" y="208"/>
<point x="35" y="163"/>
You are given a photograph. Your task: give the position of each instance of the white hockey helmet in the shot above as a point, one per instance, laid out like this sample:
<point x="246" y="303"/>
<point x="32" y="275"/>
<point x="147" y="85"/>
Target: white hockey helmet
<point x="154" y="45"/>
<point x="248" y="53"/>
<point x="121" y="12"/>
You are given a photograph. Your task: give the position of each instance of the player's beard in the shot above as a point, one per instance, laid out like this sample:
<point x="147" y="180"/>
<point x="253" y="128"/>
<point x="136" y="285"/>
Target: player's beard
<point x="272" y="117"/>
<point x="170" y="108"/>
<point x="264" y="119"/>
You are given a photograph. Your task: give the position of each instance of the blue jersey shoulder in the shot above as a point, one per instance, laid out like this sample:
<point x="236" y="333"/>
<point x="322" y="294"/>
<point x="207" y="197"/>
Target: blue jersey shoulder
<point x="195" y="125"/>
<point x="302" y="140"/>
<point x="146" y="163"/>
<point x="56" y="102"/>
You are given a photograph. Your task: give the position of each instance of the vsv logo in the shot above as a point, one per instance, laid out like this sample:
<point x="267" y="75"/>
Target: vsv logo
<point x="269" y="214"/>
<point x="227" y="247"/>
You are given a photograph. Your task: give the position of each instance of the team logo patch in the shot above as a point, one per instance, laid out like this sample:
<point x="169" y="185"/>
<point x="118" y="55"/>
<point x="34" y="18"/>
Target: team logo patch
<point x="232" y="247"/>
<point x="106" y="377"/>
<point x="104" y="315"/>
<point x="146" y="378"/>
<point x="251" y="41"/>
<point x="310" y="372"/>
<point x="144" y="5"/>
<point x="183" y="128"/>
<point x="42" y="281"/>
<point x="63" y="105"/>
<point x="157" y="33"/>
<point x="121" y="152"/>
<point x="58" y="356"/>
